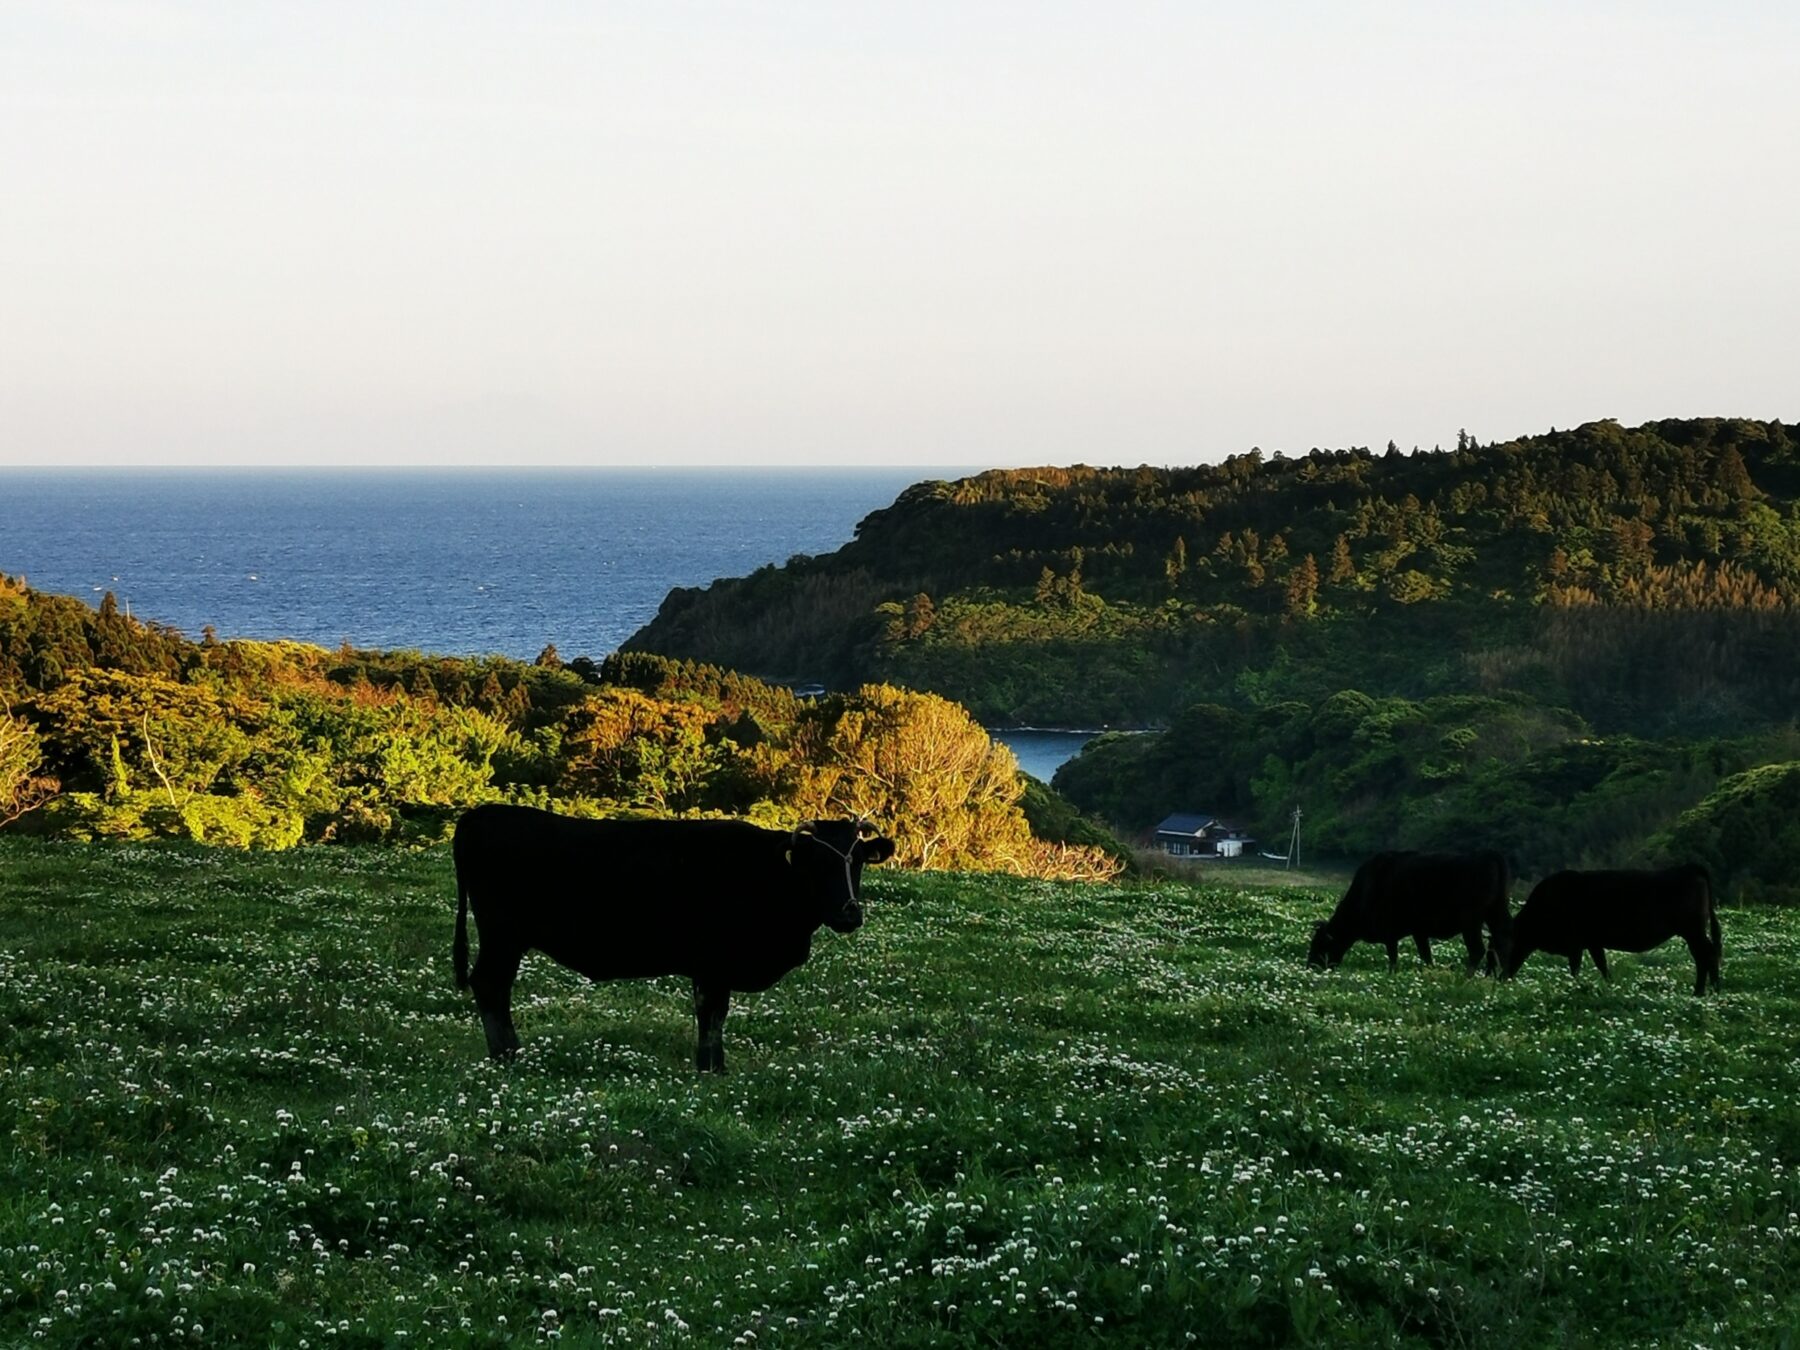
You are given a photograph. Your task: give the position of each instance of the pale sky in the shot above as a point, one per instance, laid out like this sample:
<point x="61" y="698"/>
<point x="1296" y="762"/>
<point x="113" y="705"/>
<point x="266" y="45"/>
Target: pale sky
<point x="445" y="232"/>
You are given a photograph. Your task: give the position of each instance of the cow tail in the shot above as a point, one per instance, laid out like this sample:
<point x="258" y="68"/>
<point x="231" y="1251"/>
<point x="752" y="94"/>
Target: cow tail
<point x="459" y="949"/>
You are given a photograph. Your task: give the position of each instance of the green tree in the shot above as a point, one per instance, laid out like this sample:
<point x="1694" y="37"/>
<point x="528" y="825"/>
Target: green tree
<point x="23" y="787"/>
<point x="178" y="739"/>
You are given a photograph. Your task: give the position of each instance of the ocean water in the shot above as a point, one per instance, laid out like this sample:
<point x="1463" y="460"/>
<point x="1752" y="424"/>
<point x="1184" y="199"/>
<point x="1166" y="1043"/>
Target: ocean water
<point x="463" y="563"/>
<point x="457" y="562"/>
<point x="1042" y="751"/>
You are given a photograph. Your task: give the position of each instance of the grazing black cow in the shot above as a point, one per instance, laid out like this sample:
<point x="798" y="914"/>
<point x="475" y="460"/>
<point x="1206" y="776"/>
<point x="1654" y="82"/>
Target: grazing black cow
<point x="1571" y="912"/>
<point x="1421" y="896"/>
<point x="730" y="905"/>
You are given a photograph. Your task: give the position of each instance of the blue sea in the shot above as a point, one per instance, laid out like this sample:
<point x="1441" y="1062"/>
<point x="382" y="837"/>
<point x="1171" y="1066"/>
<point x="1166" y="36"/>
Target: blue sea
<point x="462" y="562"/>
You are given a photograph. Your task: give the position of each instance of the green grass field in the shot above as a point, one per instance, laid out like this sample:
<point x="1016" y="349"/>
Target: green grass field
<point x="241" y="1101"/>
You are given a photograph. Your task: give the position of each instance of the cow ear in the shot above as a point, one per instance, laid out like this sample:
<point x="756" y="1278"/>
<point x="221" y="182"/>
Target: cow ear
<point x="876" y="850"/>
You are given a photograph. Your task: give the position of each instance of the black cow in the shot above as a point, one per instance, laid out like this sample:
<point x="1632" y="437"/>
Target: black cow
<point x="730" y="905"/>
<point x="1421" y="896"/>
<point x="1571" y="912"/>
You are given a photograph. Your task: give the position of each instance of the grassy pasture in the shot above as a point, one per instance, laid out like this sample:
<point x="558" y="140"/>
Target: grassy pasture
<point x="241" y="1101"/>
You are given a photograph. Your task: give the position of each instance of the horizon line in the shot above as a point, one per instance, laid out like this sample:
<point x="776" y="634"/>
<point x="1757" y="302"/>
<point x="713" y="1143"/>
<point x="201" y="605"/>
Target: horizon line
<point x="235" y="467"/>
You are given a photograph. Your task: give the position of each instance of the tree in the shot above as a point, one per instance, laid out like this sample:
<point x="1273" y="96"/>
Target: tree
<point x="1302" y="595"/>
<point x="1175" y="565"/>
<point x="1732" y="479"/>
<point x="1410" y="586"/>
<point x="945" y="792"/>
<point x="491" y="697"/>
<point x="22" y="787"/>
<point x="1632" y="540"/>
<point x="1343" y="566"/>
<point x="178" y="738"/>
<point x="640" y="751"/>
<point x="920" y="615"/>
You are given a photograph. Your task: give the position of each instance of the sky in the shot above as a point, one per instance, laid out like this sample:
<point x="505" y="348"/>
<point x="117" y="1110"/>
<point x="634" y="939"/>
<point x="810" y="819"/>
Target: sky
<point x="305" y="232"/>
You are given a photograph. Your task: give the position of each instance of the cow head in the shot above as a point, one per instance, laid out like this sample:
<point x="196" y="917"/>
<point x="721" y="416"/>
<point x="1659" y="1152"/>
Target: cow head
<point x="1327" y="947"/>
<point x="827" y="857"/>
<point x="1500" y="952"/>
<point x="1524" y="938"/>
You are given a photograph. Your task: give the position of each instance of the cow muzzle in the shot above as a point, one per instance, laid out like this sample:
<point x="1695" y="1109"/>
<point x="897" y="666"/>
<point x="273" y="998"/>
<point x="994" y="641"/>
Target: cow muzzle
<point x="846" y="920"/>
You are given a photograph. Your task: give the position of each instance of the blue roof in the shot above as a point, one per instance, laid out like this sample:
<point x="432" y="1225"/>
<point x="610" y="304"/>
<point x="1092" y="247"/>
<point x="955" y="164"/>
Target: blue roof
<point x="1184" y="823"/>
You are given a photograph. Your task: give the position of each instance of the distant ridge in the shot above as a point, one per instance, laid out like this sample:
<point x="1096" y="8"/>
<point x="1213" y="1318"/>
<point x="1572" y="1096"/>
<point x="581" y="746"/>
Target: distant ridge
<point x="1645" y="576"/>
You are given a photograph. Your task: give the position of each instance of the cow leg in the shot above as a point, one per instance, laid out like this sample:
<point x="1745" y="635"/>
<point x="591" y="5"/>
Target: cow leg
<point x="1393" y="949"/>
<point x="1423" y="943"/>
<point x="711" y="1002"/>
<point x="1702" y="951"/>
<point x="1575" y="962"/>
<point x="1474" y="946"/>
<point x="1599" y="955"/>
<point x="493" y="976"/>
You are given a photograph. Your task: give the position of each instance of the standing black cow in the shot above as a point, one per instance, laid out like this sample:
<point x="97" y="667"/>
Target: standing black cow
<point x="1571" y="912"/>
<point x="730" y="905"/>
<point x="1421" y="896"/>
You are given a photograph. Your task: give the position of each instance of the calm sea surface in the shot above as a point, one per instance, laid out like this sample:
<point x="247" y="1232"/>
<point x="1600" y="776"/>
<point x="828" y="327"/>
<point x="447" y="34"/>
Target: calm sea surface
<point x="462" y="563"/>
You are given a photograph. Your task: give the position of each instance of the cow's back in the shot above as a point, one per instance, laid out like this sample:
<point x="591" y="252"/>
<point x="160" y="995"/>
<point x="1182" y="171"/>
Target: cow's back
<point x="625" y="898"/>
<point x="1622" y="909"/>
<point x="1441" y="894"/>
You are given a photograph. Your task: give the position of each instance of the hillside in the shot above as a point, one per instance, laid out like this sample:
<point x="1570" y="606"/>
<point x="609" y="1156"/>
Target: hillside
<point x="244" y="1103"/>
<point x="111" y="728"/>
<point x="1646" y="578"/>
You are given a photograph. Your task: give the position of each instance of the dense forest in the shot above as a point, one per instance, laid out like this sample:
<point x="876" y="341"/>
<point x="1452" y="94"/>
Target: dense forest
<point x="115" y="728"/>
<point x="1582" y="647"/>
<point x="1646" y="578"/>
<point x="1454" y="770"/>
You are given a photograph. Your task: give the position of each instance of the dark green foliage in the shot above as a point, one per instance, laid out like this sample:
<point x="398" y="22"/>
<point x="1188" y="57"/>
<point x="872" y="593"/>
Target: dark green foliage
<point x="1747" y="832"/>
<point x="1451" y="772"/>
<point x="1052" y="818"/>
<point x="45" y="637"/>
<point x="1559" y="564"/>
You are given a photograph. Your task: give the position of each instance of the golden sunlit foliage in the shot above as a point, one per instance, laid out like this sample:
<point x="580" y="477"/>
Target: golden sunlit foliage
<point x="265" y="744"/>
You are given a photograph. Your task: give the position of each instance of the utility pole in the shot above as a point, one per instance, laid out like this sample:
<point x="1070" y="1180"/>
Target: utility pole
<point x="1293" y="856"/>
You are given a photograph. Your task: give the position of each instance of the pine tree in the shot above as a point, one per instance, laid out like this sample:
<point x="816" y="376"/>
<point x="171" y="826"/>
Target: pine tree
<point x="1303" y="587"/>
<point x="921" y="613"/>
<point x="1175" y="565"/>
<point x="1343" y="566"/>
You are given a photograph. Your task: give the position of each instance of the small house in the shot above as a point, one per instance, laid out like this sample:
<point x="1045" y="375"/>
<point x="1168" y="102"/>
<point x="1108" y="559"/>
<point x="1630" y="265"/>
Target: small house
<point x="1202" y="835"/>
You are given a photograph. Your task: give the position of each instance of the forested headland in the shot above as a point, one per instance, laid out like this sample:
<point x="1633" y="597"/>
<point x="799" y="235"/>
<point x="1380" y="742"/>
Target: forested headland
<point x="1581" y="647"/>
<point x="111" y="727"/>
<point x="1563" y="643"/>
<point x="1644" y="577"/>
